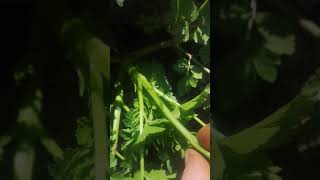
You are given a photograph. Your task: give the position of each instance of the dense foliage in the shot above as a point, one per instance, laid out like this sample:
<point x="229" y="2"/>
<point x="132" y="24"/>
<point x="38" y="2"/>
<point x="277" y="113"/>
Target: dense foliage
<point x="160" y="83"/>
<point x="145" y="74"/>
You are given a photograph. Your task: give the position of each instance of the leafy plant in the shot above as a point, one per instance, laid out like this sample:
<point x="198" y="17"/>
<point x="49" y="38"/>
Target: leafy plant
<point x="150" y="128"/>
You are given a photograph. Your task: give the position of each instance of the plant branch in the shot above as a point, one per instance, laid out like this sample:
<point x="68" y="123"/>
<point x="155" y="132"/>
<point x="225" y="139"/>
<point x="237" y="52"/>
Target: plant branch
<point x="198" y="100"/>
<point x="115" y="129"/>
<point x="310" y="26"/>
<point x="203" y="6"/>
<point x="120" y="156"/>
<point x="99" y="124"/>
<point x="195" y="117"/>
<point x="167" y="113"/>
<point x="183" y="53"/>
<point x="141" y="113"/>
<point x="164" y="96"/>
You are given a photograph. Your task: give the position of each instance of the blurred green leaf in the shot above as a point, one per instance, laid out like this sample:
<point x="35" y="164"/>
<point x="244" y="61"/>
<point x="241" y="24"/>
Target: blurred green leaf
<point x="148" y="131"/>
<point x="84" y="132"/>
<point x="266" y="67"/>
<point x="52" y="147"/>
<point x="188" y="23"/>
<point x="159" y="174"/>
<point x="267" y="132"/>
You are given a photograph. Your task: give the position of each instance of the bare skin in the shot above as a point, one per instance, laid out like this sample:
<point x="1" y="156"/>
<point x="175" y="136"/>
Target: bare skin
<point x="197" y="167"/>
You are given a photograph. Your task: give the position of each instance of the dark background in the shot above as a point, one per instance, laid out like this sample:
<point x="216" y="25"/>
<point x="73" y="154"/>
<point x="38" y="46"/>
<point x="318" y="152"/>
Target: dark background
<point x="241" y="100"/>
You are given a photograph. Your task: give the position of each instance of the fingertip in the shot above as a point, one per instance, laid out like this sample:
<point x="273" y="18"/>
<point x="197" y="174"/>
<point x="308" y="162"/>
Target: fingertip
<point x="203" y="136"/>
<point x="196" y="166"/>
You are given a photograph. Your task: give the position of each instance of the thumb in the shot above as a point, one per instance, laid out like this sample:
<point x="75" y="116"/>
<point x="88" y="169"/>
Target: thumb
<point x="196" y="166"/>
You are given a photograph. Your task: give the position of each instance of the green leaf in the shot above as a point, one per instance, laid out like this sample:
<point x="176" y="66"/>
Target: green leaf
<point x="120" y="2"/>
<point x="84" y="132"/>
<point x="52" y="147"/>
<point x="266" y="67"/>
<point x="271" y="176"/>
<point x="4" y="140"/>
<point x="196" y="74"/>
<point x="147" y="132"/>
<point x="274" y="169"/>
<point x="29" y="117"/>
<point x="240" y="144"/>
<point x="182" y="66"/>
<point x="159" y="175"/>
<point x="266" y="133"/>
<point x="197" y="101"/>
<point x="77" y="164"/>
<point x="189" y="24"/>
<point x="186" y="10"/>
<point x="156" y="74"/>
<point x="192" y="75"/>
<point x="277" y="31"/>
<point x="281" y="45"/>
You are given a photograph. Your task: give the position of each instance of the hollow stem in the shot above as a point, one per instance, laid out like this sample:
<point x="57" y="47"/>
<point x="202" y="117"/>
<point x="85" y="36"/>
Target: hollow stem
<point x="167" y="113"/>
<point x="141" y="113"/>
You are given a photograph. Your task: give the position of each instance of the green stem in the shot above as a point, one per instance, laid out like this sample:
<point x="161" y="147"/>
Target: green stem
<point x="23" y="162"/>
<point x="115" y="128"/>
<point x="141" y="106"/>
<point x="203" y="6"/>
<point x="120" y="156"/>
<point x="99" y="123"/>
<point x="167" y="113"/>
<point x="141" y="113"/>
<point x="141" y="163"/>
<point x="164" y="96"/>
<point x="310" y="27"/>
<point x="125" y="107"/>
<point x="198" y="100"/>
<point x="195" y="117"/>
<point x="119" y="101"/>
<point x="183" y="53"/>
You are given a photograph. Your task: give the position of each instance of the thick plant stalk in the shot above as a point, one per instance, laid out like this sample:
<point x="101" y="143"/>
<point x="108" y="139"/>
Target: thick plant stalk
<point x="164" y="96"/>
<point x="115" y="129"/>
<point x="167" y="113"/>
<point x="203" y="6"/>
<point x="198" y="100"/>
<point x="116" y="122"/>
<point x="99" y="124"/>
<point x="141" y="113"/>
<point x="119" y="101"/>
<point x="23" y="162"/>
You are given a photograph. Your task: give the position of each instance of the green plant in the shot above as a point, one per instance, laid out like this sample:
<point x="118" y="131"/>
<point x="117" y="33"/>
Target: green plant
<point x="149" y="129"/>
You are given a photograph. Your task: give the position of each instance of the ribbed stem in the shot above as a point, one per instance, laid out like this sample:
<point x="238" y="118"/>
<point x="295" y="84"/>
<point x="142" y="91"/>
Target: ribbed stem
<point x="167" y="113"/>
<point x="141" y="123"/>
